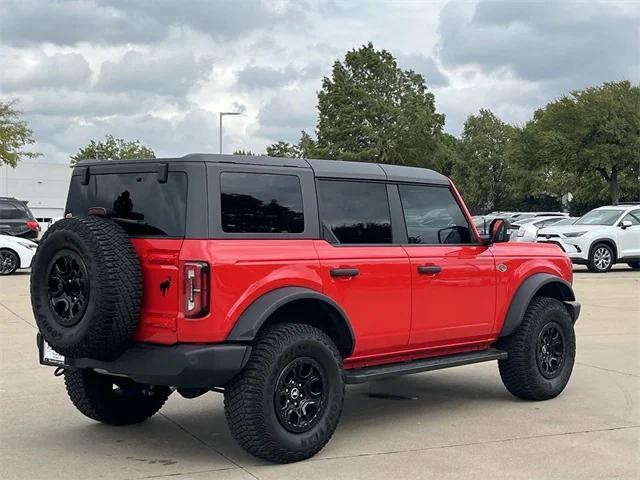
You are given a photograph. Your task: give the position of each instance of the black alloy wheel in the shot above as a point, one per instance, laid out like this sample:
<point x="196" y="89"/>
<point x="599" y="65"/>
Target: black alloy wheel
<point x="68" y="287"/>
<point x="299" y="396"/>
<point x="8" y="262"/>
<point x="551" y="350"/>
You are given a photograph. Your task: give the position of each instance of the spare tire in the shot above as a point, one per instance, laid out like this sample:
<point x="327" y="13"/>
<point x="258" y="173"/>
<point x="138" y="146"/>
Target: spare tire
<point x="86" y="287"/>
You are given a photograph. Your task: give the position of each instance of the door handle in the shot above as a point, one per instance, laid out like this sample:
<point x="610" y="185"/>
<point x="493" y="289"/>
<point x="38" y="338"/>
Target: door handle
<point x="429" y="269"/>
<point x="344" y="272"/>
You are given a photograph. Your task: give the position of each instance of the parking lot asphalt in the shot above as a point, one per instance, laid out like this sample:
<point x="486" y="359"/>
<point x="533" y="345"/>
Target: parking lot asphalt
<point x="456" y="423"/>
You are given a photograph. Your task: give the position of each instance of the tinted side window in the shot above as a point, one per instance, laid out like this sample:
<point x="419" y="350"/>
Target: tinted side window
<point x="433" y="216"/>
<point x="354" y="212"/>
<point x="261" y="203"/>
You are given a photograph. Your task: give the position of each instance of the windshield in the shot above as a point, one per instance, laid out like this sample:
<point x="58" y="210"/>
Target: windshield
<point x="565" y="221"/>
<point x="600" y="217"/>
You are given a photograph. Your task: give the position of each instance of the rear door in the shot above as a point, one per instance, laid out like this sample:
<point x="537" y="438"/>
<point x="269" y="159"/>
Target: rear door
<point x="362" y="269"/>
<point x="453" y="278"/>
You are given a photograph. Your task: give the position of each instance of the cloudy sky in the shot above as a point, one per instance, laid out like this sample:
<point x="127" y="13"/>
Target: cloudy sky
<point x="160" y="70"/>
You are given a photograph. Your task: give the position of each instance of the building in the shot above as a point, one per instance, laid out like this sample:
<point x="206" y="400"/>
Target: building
<point x="43" y="185"/>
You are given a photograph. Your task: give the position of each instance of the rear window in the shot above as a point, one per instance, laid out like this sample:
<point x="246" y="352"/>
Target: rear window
<point x="136" y="201"/>
<point x="12" y="210"/>
<point x="261" y="203"/>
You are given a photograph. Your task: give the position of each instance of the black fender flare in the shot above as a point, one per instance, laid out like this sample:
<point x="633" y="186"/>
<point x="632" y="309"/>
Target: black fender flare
<point x="528" y="289"/>
<point x="253" y="317"/>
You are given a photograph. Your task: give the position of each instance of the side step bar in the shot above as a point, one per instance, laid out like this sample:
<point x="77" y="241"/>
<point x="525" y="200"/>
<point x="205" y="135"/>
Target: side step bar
<point x="380" y="372"/>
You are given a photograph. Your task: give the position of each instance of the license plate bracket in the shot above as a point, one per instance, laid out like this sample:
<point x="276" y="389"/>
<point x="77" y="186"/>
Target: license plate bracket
<point x="48" y="356"/>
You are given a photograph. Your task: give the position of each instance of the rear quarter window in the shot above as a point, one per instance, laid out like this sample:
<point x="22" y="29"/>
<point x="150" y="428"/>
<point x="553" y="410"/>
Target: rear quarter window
<point x="261" y="203"/>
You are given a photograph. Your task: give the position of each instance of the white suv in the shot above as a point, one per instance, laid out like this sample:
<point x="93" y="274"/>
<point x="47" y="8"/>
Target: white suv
<point x="602" y="237"/>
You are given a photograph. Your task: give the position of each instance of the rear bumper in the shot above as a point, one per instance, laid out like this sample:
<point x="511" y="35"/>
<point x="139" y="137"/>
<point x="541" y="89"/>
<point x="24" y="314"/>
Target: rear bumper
<point x="181" y="365"/>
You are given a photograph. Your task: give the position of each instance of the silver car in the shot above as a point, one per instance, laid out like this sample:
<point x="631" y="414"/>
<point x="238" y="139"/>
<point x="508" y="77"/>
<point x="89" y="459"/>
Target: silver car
<point x="527" y="230"/>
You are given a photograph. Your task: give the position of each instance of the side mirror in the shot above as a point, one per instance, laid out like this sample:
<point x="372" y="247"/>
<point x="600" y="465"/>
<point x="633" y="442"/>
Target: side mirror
<point x="625" y="224"/>
<point x="499" y="230"/>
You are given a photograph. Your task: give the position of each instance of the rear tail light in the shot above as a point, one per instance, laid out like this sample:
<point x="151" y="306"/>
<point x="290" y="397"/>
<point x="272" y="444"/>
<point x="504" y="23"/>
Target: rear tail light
<point x="33" y="225"/>
<point x="196" y="289"/>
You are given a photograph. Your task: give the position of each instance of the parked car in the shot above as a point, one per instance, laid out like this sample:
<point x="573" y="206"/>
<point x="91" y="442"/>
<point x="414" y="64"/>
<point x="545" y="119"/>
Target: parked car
<point x="277" y="281"/>
<point x="527" y="230"/>
<point x="15" y="253"/>
<point x="601" y="238"/>
<point x="520" y="216"/>
<point x="16" y="219"/>
<point x="566" y="221"/>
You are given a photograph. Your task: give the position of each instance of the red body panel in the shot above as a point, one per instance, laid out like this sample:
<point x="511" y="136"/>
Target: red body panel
<point x="378" y="300"/>
<point x="159" y="259"/>
<point x="456" y="305"/>
<point x="396" y="313"/>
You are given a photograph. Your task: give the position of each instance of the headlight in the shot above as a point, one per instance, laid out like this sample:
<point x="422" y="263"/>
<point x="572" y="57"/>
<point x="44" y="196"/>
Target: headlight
<point x="574" y="234"/>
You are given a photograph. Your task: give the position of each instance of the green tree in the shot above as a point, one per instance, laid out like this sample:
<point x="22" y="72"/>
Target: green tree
<point x="15" y="135"/>
<point x="248" y="153"/>
<point x="283" y="149"/>
<point x="483" y="171"/>
<point x="591" y="131"/>
<point x="371" y="110"/>
<point x="113" y="149"/>
<point x="305" y="148"/>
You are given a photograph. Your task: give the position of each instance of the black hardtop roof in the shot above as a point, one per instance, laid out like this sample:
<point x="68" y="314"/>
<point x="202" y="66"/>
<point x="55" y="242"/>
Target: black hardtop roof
<point x="321" y="168"/>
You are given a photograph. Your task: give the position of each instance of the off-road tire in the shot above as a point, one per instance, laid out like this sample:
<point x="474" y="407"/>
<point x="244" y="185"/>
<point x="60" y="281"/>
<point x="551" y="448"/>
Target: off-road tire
<point x="114" y="287"/>
<point x="249" y="398"/>
<point x="592" y="264"/>
<point x="634" y="265"/>
<point x="93" y="394"/>
<point x="13" y="256"/>
<point x="520" y="372"/>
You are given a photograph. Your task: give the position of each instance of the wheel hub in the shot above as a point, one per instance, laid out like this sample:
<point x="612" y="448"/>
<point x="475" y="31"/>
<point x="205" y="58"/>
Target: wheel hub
<point x="7" y="262"/>
<point x="602" y="258"/>
<point x="67" y="287"/>
<point x="551" y="350"/>
<point x="300" y="395"/>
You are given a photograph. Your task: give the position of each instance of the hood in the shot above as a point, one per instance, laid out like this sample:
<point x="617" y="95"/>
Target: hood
<point x="569" y="228"/>
<point x="11" y="240"/>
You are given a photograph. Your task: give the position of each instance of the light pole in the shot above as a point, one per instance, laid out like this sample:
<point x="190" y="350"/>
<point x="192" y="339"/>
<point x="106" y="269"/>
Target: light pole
<point x="222" y="114"/>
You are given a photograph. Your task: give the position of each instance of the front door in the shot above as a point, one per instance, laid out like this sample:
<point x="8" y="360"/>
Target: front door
<point x="629" y="237"/>
<point x="362" y="270"/>
<point x="453" y="278"/>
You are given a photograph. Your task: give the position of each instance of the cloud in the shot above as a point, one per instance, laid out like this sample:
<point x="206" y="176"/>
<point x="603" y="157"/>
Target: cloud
<point x="173" y="75"/>
<point x="254" y="77"/>
<point x="28" y="22"/>
<point x="287" y="113"/>
<point x="543" y="40"/>
<point x="84" y="104"/>
<point x="426" y="66"/>
<point x="21" y="72"/>
<point x="25" y="22"/>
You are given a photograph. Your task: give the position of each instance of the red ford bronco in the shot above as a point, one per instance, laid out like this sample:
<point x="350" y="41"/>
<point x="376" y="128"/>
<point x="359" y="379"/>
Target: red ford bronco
<point x="277" y="281"/>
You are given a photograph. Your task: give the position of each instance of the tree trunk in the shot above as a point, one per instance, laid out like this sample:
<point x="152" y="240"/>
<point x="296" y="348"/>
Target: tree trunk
<point x="614" y="187"/>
